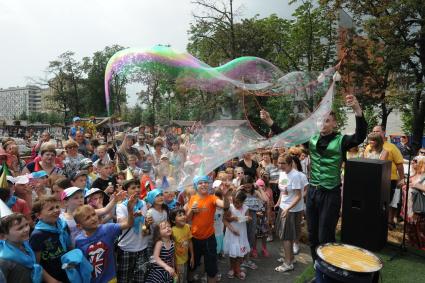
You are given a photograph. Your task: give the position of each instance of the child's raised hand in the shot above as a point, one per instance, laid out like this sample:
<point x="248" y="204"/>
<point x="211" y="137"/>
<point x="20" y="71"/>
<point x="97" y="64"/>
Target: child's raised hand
<point x="120" y="196"/>
<point x="132" y="201"/>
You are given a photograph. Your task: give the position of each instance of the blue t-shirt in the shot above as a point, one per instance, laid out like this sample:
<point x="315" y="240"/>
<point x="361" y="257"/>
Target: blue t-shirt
<point x="99" y="250"/>
<point x="51" y="250"/>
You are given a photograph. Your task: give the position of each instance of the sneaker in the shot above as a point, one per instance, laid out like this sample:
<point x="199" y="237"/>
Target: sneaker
<point x="296" y="248"/>
<point x="284" y="267"/>
<point x="269" y="238"/>
<point x="249" y="264"/>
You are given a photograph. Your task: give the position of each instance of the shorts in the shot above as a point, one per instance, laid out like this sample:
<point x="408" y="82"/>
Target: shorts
<point x="208" y="249"/>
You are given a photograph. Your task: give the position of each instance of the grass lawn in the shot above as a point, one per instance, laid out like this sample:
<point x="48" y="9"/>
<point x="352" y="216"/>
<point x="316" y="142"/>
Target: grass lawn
<point x="408" y="267"/>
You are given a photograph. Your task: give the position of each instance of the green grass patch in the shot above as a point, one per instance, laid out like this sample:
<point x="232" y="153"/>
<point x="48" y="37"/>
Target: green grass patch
<point x="407" y="267"/>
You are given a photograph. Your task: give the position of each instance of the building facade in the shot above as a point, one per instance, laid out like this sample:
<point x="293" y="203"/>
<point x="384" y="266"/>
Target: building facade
<point x="18" y="100"/>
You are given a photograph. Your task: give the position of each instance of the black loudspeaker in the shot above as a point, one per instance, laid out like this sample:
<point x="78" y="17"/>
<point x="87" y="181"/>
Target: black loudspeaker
<point x="366" y="197"/>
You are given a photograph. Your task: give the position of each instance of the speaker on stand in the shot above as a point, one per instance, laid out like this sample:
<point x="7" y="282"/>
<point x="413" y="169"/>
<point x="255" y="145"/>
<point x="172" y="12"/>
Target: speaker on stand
<point x="366" y="197"/>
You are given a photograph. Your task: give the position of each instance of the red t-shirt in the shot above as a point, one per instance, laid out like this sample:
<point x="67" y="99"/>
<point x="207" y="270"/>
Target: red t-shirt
<point x="21" y="206"/>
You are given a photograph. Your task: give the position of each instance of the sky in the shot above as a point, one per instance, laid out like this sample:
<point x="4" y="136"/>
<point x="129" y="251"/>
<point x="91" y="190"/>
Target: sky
<point x="34" y="32"/>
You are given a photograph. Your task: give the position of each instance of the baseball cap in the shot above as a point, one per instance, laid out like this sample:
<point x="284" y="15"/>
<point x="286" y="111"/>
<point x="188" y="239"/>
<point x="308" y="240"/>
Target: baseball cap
<point x="39" y="174"/>
<point x="164" y="156"/>
<point x="11" y="179"/>
<point x="76" y="118"/>
<point x="78" y="174"/>
<point x="85" y="163"/>
<point x="22" y="180"/>
<point x="92" y="191"/>
<point x="67" y="193"/>
<point x="216" y="184"/>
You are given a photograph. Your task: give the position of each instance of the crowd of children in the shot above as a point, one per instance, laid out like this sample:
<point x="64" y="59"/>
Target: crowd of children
<point x="89" y="221"/>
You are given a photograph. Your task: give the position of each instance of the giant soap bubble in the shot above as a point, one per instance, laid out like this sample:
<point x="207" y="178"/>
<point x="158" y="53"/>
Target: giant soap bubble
<point x="240" y="89"/>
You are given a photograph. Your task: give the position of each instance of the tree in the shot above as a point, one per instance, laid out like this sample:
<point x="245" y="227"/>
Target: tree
<point x="305" y="43"/>
<point x="94" y="67"/>
<point x="23" y="116"/>
<point x="399" y="26"/>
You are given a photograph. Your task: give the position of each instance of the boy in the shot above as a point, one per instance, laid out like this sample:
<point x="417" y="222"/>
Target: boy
<point x="50" y="239"/>
<point x="97" y="240"/>
<point x="79" y="180"/>
<point x="201" y="209"/>
<point x="104" y="179"/>
<point x="17" y="259"/>
<point x="133" y="245"/>
<point x="183" y="243"/>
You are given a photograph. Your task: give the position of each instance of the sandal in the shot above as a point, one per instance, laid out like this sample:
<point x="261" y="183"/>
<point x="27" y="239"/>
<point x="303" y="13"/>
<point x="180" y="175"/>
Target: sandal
<point x="231" y="274"/>
<point x="241" y="275"/>
<point x="284" y="267"/>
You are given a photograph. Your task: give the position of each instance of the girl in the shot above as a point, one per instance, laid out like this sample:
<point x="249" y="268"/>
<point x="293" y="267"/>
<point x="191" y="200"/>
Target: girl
<point x="291" y="211"/>
<point x="132" y="166"/>
<point x="163" y="254"/>
<point x="377" y="150"/>
<point x="264" y="216"/>
<point x="255" y="200"/>
<point x="238" y="176"/>
<point x="158" y="210"/>
<point x="236" y="243"/>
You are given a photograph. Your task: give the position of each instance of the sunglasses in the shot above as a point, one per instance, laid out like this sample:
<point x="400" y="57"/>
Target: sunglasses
<point x="422" y="152"/>
<point x="282" y="163"/>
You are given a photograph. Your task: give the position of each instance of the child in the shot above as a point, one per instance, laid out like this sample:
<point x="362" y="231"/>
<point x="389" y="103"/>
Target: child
<point x="236" y="243"/>
<point x="218" y="219"/>
<point x="158" y="210"/>
<point x="101" y="155"/>
<point x="50" y="239"/>
<point x="183" y="243"/>
<point x="59" y="186"/>
<point x="17" y="260"/>
<point x="132" y="251"/>
<point x="264" y="216"/>
<point x="97" y="240"/>
<point x="201" y="210"/>
<point x="146" y="183"/>
<point x="79" y="180"/>
<point x="134" y="170"/>
<point x="163" y="269"/>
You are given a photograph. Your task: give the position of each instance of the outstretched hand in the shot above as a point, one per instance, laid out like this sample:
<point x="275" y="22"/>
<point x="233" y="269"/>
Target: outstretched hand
<point x="265" y="116"/>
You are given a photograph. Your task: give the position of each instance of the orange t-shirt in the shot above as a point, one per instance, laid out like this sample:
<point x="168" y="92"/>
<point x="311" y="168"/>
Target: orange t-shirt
<point x="203" y="221"/>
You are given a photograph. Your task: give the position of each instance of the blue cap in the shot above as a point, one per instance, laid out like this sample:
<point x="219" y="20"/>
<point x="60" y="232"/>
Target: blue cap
<point x="198" y="179"/>
<point x="39" y="174"/>
<point x="150" y="198"/>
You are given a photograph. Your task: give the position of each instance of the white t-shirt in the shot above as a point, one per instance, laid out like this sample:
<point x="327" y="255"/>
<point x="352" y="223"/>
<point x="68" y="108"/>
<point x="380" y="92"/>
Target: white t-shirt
<point x="295" y="182"/>
<point x="157" y="216"/>
<point x="132" y="242"/>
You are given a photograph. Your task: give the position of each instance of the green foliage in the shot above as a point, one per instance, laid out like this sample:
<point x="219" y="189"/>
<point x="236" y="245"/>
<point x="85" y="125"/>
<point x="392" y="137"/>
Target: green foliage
<point x="396" y="28"/>
<point x="371" y="117"/>
<point x="47" y="118"/>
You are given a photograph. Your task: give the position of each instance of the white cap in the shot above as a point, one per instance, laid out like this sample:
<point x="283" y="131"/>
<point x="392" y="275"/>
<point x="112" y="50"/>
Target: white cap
<point x="216" y="184"/>
<point x="11" y="179"/>
<point x="22" y="180"/>
<point x="93" y="191"/>
<point x="70" y="191"/>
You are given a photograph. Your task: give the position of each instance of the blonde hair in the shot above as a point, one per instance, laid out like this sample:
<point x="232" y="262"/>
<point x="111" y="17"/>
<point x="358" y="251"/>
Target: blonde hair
<point x="70" y="143"/>
<point x="81" y="212"/>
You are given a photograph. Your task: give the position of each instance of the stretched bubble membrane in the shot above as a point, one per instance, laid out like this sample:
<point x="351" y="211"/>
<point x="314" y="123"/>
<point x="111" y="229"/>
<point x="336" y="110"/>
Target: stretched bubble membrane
<point x="218" y="139"/>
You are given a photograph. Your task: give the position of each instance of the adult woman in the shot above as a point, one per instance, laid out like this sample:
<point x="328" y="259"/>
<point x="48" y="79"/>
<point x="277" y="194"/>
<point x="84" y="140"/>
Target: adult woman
<point x="415" y="221"/>
<point x="159" y="150"/>
<point x="377" y="150"/>
<point x="249" y="166"/>
<point x="45" y="162"/>
<point x="72" y="160"/>
<point x="291" y="211"/>
<point x="126" y="150"/>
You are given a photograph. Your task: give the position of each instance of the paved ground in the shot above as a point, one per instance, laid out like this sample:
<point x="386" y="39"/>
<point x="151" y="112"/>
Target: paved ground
<point x="265" y="271"/>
